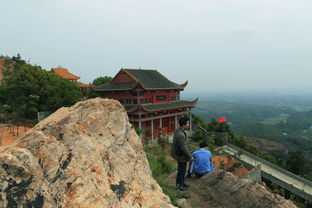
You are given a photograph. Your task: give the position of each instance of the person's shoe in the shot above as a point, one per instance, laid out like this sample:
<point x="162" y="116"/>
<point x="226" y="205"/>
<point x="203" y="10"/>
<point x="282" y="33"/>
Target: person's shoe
<point x="186" y="186"/>
<point x="188" y="176"/>
<point x="181" y="188"/>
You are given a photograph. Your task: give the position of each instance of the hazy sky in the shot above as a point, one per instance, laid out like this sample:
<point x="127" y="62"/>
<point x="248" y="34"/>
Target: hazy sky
<point x="214" y="44"/>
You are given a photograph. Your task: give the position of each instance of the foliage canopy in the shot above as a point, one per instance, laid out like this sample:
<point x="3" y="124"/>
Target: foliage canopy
<point x="28" y="89"/>
<point x="96" y="82"/>
<point x="101" y="80"/>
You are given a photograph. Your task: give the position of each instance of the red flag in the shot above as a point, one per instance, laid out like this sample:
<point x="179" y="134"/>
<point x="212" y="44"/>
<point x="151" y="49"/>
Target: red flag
<point x="222" y="120"/>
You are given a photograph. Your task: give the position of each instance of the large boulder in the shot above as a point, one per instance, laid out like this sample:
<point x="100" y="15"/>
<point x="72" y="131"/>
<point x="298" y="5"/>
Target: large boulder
<point x="223" y="189"/>
<point x="87" y="155"/>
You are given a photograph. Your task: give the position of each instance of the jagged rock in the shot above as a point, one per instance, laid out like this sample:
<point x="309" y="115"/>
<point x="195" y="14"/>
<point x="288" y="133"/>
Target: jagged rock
<point x="223" y="189"/>
<point x="183" y="203"/>
<point x="87" y="155"/>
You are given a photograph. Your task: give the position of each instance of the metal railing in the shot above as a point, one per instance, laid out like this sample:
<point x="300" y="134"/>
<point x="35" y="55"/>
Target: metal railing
<point x="287" y="186"/>
<point x="277" y="168"/>
<point x="209" y="134"/>
<point x="290" y="187"/>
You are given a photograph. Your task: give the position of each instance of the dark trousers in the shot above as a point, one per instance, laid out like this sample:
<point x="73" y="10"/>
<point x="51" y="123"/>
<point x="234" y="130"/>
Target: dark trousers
<point x="181" y="173"/>
<point x="200" y="175"/>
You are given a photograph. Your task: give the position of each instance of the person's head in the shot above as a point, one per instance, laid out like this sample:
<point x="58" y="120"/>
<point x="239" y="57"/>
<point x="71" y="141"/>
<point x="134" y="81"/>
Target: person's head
<point x="203" y="144"/>
<point x="184" y="123"/>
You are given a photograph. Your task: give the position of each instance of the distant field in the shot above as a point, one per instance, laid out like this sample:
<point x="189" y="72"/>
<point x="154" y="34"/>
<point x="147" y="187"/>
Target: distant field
<point x="266" y="145"/>
<point x="307" y="134"/>
<point x="275" y="120"/>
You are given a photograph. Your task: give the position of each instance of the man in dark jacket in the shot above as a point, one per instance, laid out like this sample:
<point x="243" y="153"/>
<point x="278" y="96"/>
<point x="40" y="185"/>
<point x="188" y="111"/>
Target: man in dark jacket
<point x="180" y="152"/>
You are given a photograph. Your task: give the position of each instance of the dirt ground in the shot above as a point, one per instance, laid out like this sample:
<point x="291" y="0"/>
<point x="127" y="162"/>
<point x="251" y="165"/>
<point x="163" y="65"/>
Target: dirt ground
<point x="225" y="162"/>
<point x="8" y="134"/>
<point x="192" y="195"/>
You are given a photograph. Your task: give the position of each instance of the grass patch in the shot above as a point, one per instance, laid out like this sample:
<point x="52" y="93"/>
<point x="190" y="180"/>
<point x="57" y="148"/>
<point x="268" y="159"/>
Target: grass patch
<point x="161" y="169"/>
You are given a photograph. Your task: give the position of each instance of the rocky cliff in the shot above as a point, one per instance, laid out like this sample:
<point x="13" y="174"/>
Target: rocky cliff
<point x="87" y="155"/>
<point x="223" y="189"/>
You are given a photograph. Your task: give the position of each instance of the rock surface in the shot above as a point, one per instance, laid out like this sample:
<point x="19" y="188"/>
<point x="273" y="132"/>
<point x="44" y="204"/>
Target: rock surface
<point x="223" y="189"/>
<point x="233" y="192"/>
<point x="183" y="203"/>
<point x="87" y="155"/>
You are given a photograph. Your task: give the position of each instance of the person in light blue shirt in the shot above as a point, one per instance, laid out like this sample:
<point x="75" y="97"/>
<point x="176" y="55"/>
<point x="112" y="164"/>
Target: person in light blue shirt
<point x="201" y="164"/>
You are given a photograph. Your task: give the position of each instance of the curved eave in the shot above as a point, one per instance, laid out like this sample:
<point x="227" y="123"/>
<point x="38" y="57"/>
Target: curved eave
<point x="93" y="87"/>
<point x="63" y="72"/>
<point x="132" y="110"/>
<point x="191" y="104"/>
<point x="195" y="101"/>
<point x="80" y="84"/>
<point x="184" y="85"/>
<point x="179" y="87"/>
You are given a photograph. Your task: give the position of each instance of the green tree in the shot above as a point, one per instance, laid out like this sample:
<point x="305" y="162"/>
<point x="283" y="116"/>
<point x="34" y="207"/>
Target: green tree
<point x="296" y="162"/>
<point x="212" y="126"/>
<point x="97" y="82"/>
<point x="28" y="89"/>
<point x="198" y="134"/>
<point x="101" y="80"/>
<point x="138" y="130"/>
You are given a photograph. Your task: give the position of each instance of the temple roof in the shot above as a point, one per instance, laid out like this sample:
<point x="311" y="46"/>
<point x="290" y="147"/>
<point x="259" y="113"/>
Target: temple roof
<point x="64" y="73"/>
<point x="80" y="84"/>
<point x="148" y="79"/>
<point x="115" y="86"/>
<point x="163" y="106"/>
<point x="152" y="79"/>
<point x="131" y="108"/>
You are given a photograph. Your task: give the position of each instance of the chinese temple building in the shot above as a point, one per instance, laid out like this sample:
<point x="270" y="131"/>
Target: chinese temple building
<point x="151" y="100"/>
<point x="67" y="75"/>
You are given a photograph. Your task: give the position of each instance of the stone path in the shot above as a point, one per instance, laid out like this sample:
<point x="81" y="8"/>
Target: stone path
<point x="194" y="195"/>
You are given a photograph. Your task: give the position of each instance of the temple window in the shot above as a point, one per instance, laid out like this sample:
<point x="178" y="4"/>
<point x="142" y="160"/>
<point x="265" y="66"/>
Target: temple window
<point x="161" y="97"/>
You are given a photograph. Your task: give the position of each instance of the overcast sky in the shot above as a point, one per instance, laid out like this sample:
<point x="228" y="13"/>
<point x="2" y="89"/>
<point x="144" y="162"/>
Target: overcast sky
<point x="214" y="44"/>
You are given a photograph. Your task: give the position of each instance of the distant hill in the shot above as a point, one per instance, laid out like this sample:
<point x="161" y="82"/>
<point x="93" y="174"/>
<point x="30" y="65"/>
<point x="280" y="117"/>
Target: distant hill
<point x="277" y="126"/>
<point x="240" y="114"/>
